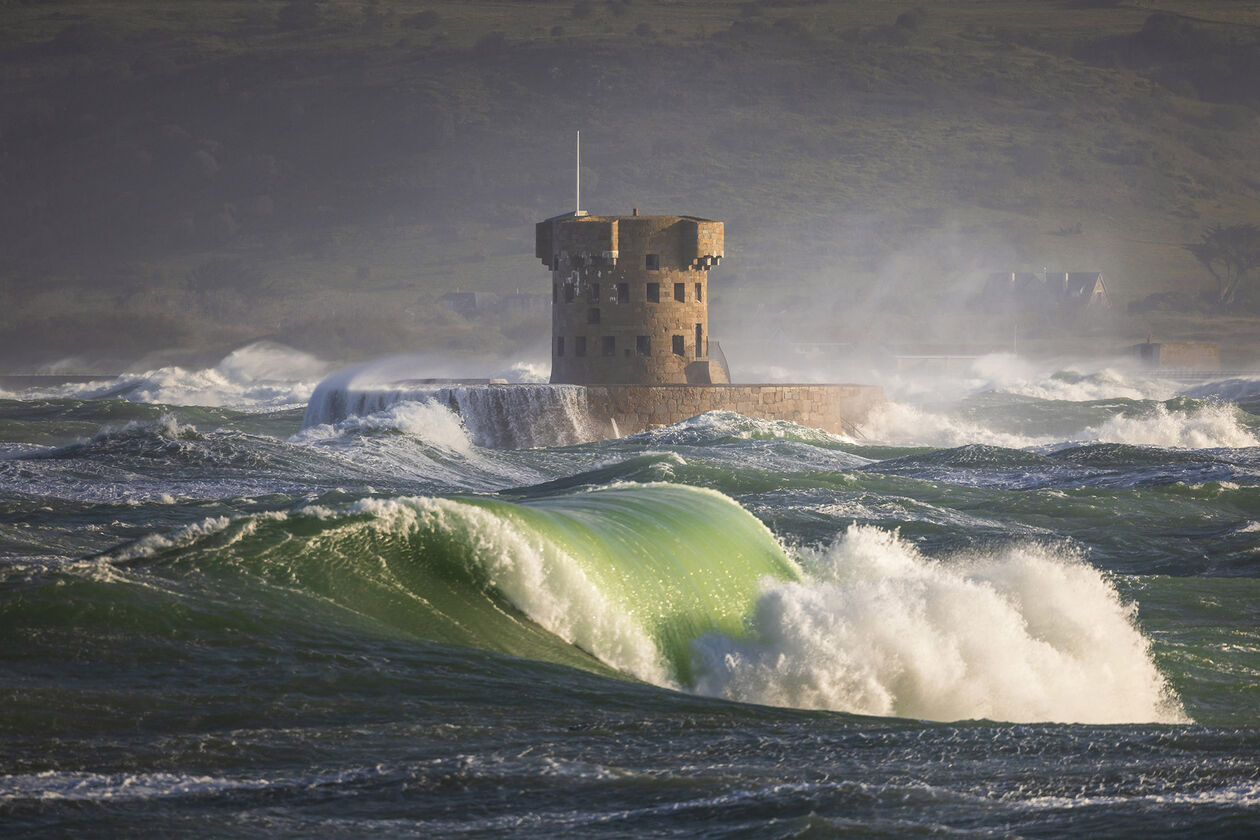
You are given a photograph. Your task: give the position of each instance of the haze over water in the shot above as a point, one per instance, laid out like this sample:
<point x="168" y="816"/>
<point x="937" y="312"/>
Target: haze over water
<point x="1022" y="601"/>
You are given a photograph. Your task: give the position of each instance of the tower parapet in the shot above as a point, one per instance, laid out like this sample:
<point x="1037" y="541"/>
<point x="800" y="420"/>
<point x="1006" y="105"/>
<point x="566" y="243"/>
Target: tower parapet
<point x="630" y="298"/>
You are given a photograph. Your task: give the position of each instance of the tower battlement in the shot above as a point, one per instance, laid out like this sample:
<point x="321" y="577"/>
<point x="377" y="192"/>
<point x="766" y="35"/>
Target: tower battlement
<point x="630" y="298"/>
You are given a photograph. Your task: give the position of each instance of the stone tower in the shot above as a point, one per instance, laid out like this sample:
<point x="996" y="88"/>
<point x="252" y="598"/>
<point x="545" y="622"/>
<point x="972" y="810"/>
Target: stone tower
<point x="630" y="297"/>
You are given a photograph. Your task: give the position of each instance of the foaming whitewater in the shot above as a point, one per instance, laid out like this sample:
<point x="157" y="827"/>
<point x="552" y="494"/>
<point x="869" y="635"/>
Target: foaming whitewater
<point x="1212" y="426"/>
<point x="419" y="439"/>
<point x="497" y="416"/>
<point x="1025" y="634"/>
<point x="1055" y="379"/>
<point x="539" y="577"/>
<point x="682" y="588"/>
<point x="1178" y="424"/>
<point x="904" y="424"/>
<point x="1013" y="402"/>
<point x="442" y="638"/>
<point x="627" y="573"/>
<point x="260" y="375"/>
<point x="1234" y="389"/>
<point x="427" y="421"/>
<point x="1076" y="380"/>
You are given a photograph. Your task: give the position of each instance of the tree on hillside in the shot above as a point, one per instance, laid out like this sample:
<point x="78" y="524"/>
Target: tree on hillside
<point x="1228" y="253"/>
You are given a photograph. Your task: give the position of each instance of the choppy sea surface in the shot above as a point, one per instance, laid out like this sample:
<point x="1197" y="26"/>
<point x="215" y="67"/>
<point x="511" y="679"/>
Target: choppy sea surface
<point x="255" y="601"/>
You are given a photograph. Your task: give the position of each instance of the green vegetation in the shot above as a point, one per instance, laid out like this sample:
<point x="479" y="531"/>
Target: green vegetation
<point x="1229" y="254"/>
<point x="184" y="175"/>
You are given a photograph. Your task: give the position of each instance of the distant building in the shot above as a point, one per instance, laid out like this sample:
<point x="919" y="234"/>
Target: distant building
<point x="461" y="303"/>
<point x="1068" y="293"/>
<point x="1077" y="290"/>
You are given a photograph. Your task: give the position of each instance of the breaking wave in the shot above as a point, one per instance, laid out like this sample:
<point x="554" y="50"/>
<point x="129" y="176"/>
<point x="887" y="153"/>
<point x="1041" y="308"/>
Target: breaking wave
<point x="496" y="416"/>
<point x="681" y="587"/>
<point x="260" y="375"/>
<point x="1025" y="634"/>
<point x="1177" y="424"/>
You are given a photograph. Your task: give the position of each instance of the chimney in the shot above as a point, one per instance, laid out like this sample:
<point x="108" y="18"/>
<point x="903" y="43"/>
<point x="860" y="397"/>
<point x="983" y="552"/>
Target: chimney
<point x="636" y="211"/>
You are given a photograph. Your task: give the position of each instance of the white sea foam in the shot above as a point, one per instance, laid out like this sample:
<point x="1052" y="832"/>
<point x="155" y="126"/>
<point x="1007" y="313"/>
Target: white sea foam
<point x="722" y="426"/>
<point x="1074" y="381"/>
<point x="260" y="375"/>
<point x="495" y="416"/>
<point x="1208" y="426"/>
<point x="902" y="424"/>
<point x="426" y="420"/>
<point x="90" y="787"/>
<point x="536" y="373"/>
<point x="1025" y="634"/>
<point x="164" y="426"/>
<point x="1234" y="389"/>
<point x="1241" y="794"/>
<point x="156" y="543"/>
<point x="544" y="582"/>
<point x="117" y="786"/>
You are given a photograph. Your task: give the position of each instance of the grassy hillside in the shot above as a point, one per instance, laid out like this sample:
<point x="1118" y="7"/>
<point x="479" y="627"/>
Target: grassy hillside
<point x="183" y="176"/>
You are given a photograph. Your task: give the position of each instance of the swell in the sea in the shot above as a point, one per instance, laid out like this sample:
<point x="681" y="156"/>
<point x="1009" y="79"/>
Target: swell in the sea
<point x="681" y="587"/>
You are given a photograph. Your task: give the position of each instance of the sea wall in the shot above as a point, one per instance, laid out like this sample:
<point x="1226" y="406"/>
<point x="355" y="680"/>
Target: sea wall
<point x="502" y="416"/>
<point x="633" y="408"/>
<point x="1195" y="355"/>
<point x="496" y="416"/>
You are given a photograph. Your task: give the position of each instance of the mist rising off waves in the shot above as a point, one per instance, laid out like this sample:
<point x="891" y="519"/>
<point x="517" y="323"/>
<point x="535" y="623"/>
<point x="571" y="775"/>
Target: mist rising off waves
<point x="1027" y="633"/>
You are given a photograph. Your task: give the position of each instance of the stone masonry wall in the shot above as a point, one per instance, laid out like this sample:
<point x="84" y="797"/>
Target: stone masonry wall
<point x="657" y="328"/>
<point x="1202" y="355"/>
<point x="833" y="408"/>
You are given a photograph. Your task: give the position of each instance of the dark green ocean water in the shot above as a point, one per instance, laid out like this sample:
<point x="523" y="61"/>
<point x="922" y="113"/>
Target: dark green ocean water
<point x="1014" y="609"/>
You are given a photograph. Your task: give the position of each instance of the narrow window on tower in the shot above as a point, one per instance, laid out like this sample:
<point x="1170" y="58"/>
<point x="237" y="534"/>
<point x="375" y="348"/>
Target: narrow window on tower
<point x="654" y="292"/>
<point x="678" y="345"/>
<point x="592" y="293"/>
<point x="699" y="293"/>
<point x="579" y="346"/>
<point x="592" y="315"/>
<point x="680" y="292"/>
<point x="608" y="345"/>
<point x="653" y="262"/>
<point x="559" y="345"/>
<point x="643" y="344"/>
<point x="700" y="348"/>
<point x="623" y="293"/>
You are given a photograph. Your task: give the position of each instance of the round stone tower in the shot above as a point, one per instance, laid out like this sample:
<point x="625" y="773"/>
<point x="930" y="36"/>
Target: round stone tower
<point x="630" y="297"/>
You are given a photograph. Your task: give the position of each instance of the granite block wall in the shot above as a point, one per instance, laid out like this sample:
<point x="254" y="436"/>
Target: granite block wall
<point x="634" y="408"/>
